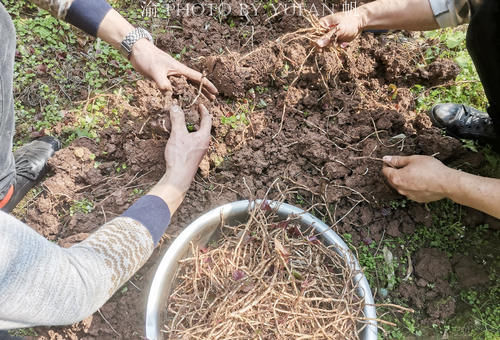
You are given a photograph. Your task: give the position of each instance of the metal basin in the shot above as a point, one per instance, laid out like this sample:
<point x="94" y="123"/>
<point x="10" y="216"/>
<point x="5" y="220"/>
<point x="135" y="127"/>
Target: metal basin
<point x="204" y="229"/>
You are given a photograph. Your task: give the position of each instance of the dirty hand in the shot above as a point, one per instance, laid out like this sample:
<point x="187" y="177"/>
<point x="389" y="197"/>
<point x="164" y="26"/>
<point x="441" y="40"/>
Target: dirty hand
<point x="420" y="178"/>
<point x="153" y="63"/>
<point x="346" y="26"/>
<point x="183" y="155"/>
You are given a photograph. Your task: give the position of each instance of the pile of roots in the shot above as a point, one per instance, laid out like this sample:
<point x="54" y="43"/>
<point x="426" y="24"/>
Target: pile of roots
<point x="265" y="279"/>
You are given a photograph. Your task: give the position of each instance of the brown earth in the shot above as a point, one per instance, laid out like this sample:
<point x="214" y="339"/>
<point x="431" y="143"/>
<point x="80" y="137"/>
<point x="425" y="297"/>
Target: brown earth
<point x="325" y="155"/>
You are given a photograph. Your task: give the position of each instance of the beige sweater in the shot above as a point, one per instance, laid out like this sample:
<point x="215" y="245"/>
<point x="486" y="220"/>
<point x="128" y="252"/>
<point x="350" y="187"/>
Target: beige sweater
<point x="58" y="8"/>
<point x="44" y="284"/>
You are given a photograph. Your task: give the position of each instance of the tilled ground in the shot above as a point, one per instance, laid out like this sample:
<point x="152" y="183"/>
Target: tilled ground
<point x="322" y="153"/>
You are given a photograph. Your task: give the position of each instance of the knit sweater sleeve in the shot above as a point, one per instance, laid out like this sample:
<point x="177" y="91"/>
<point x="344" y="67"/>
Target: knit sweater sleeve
<point x="44" y="284"/>
<point x="58" y="8"/>
<point x="84" y="14"/>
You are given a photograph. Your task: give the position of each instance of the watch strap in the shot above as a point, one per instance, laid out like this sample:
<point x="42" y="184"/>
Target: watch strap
<point x="131" y="38"/>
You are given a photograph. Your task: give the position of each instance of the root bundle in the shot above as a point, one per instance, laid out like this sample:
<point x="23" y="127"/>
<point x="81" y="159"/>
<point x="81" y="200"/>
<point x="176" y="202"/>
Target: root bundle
<point x="266" y="279"/>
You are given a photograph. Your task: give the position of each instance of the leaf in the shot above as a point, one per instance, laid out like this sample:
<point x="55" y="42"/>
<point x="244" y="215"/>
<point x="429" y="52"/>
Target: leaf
<point x="265" y="206"/>
<point x="297" y="275"/>
<point x="238" y="275"/>
<point x="313" y="239"/>
<point x="453" y="41"/>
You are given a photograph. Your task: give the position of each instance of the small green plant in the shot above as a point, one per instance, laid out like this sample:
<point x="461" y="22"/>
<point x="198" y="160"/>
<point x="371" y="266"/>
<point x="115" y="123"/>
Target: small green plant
<point x="83" y="206"/>
<point x="239" y="119"/>
<point x="121" y="167"/>
<point x="470" y="145"/>
<point x="137" y="192"/>
<point x="397" y="204"/>
<point x="23" y="332"/>
<point x="409" y="323"/>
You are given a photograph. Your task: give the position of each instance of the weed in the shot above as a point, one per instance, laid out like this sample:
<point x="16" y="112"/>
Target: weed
<point x="83" y="206"/>
<point x="239" y="119"/>
<point x="397" y="204"/>
<point x="23" y="332"/>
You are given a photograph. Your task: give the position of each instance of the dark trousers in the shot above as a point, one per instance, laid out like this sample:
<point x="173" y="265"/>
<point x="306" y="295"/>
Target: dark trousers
<point x="7" y="54"/>
<point x="6" y="336"/>
<point x="483" y="43"/>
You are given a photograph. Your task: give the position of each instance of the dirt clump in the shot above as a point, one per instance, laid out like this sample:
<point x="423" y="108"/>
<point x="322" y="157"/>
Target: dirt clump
<point x="432" y="264"/>
<point x="469" y="273"/>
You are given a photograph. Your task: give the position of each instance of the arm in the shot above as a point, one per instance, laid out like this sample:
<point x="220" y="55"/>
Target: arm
<point x="411" y="15"/>
<point x="44" y="284"/>
<point x="96" y="17"/>
<point x="425" y="179"/>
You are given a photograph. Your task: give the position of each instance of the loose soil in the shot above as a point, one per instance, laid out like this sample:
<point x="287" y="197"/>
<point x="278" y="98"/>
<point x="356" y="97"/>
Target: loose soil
<point x="322" y="154"/>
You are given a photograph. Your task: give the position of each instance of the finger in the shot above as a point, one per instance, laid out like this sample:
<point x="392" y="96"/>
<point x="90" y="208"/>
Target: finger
<point x="210" y="87"/>
<point x="397" y="161"/>
<point x="177" y="118"/>
<point x="162" y="81"/>
<point x="326" y="39"/>
<point x="206" y="120"/>
<point x="389" y="174"/>
<point x="208" y="94"/>
<point x="198" y="77"/>
<point x="328" y="21"/>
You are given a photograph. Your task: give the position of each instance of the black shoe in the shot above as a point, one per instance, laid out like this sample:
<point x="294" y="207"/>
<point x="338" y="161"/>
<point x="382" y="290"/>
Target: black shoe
<point x="463" y="121"/>
<point x="31" y="160"/>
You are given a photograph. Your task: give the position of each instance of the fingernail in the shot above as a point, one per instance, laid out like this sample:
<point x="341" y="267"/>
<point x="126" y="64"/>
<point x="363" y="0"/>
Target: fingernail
<point x="387" y="159"/>
<point x="344" y="45"/>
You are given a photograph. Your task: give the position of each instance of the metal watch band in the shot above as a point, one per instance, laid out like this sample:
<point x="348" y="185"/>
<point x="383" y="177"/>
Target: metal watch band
<point x="131" y="38"/>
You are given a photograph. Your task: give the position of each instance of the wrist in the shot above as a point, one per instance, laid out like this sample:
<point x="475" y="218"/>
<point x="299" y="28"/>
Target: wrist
<point x="364" y="18"/>
<point x="141" y="47"/>
<point x="449" y="183"/>
<point x="168" y="190"/>
<point x="114" y="28"/>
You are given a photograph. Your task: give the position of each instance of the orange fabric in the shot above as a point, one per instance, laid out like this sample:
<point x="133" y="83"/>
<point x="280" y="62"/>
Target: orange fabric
<point x="7" y="197"/>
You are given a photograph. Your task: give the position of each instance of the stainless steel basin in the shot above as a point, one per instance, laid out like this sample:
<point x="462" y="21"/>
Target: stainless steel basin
<point x="204" y="228"/>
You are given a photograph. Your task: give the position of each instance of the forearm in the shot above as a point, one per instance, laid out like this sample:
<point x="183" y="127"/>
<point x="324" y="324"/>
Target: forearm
<point x="411" y="15"/>
<point x="95" y="17"/>
<point x="114" y="28"/>
<point x="44" y="284"/>
<point x="477" y="192"/>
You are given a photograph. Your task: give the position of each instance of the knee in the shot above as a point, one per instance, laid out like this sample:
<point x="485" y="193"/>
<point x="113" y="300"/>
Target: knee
<point x="7" y="30"/>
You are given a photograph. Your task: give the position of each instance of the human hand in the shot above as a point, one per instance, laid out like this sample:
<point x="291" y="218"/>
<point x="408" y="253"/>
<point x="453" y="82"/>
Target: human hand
<point x="183" y="155"/>
<point x="345" y="26"/>
<point x="153" y="63"/>
<point x="420" y="178"/>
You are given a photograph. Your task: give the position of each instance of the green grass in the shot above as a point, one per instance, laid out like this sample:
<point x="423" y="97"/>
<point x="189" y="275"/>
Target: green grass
<point x="477" y="315"/>
<point x="57" y="68"/>
<point x="467" y="88"/>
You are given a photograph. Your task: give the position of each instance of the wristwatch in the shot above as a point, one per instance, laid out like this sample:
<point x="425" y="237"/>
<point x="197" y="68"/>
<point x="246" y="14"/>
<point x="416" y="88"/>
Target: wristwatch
<point x="131" y="38"/>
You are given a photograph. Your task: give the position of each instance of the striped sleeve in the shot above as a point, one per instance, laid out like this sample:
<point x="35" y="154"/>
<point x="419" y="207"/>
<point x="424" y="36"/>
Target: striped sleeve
<point x="84" y="14"/>
<point x="58" y="8"/>
<point x="42" y="284"/>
